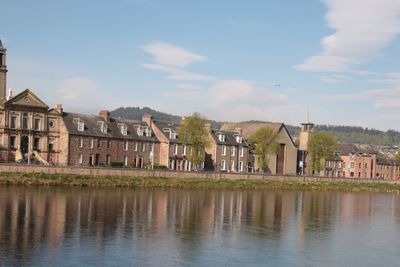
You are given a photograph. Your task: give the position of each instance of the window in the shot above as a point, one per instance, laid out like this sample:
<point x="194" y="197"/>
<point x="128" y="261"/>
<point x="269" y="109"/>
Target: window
<point x="91" y="142"/>
<point x="81" y="126"/>
<point x="222" y="165"/>
<point x="80" y="159"/>
<point x="352" y="165"/>
<point x="175" y="149"/>
<point x="123" y="128"/>
<point x="365" y="165"/>
<point x="37" y="124"/>
<point x="126" y="145"/>
<point x="12" y="141"/>
<point x="103" y="126"/>
<point x="184" y="150"/>
<point x="36" y="143"/>
<point x="232" y="165"/>
<point x="108" y="143"/>
<point x="143" y="147"/>
<point x="359" y="165"/>
<point x="136" y="146"/>
<point x="108" y="159"/>
<point x="98" y="143"/>
<point x="80" y="142"/>
<point x="13" y="122"/>
<point x="351" y="174"/>
<point x="241" y="151"/>
<point x="125" y="160"/>
<point x="221" y="137"/>
<point x="239" y="139"/>
<point x="233" y="151"/>
<point x="241" y="166"/>
<point x="25" y="120"/>
<point x="52" y="124"/>
<point x="223" y="150"/>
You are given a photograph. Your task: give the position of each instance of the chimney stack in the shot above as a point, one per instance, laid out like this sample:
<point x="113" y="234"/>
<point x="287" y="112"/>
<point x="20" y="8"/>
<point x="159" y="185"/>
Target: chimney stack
<point x="105" y="114"/>
<point x="59" y="108"/>
<point x="239" y="130"/>
<point x="148" y="119"/>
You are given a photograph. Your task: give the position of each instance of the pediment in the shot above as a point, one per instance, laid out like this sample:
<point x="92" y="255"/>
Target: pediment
<point x="26" y="99"/>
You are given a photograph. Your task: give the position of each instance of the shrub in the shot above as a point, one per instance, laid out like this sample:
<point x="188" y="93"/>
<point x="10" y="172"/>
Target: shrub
<point x="116" y="164"/>
<point x="160" y="167"/>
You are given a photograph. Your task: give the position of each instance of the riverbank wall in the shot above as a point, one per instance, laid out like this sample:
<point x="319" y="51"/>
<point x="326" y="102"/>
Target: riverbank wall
<point x="95" y="171"/>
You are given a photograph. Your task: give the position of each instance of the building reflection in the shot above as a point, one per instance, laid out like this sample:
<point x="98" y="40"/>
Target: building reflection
<point x="33" y="218"/>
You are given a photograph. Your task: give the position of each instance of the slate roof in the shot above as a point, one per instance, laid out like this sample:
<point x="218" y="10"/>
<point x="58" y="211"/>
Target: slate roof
<point x="93" y="129"/>
<point x="347" y="149"/>
<point x="173" y="126"/>
<point x="249" y="127"/>
<point x="230" y="138"/>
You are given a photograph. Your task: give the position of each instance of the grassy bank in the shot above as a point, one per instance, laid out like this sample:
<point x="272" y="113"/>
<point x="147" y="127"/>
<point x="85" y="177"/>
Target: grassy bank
<point x="39" y="179"/>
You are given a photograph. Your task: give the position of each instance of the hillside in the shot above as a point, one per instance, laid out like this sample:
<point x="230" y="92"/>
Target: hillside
<point x="136" y="113"/>
<point x="344" y="134"/>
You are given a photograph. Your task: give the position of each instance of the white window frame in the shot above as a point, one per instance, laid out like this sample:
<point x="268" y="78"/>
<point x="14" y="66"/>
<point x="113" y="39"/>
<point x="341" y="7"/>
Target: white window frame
<point x="144" y="147"/>
<point x="241" y="166"/>
<point x="223" y="150"/>
<point x="80" y="159"/>
<point x="81" y="126"/>
<point x="241" y="151"/>
<point x="80" y="142"/>
<point x="232" y="165"/>
<point x="184" y="150"/>
<point x="221" y="137"/>
<point x="175" y="149"/>
<point x="126" y="160"/>
<point x="91" y="142"/>
<point x="126" y="145"/>
<point x="233" y="151"/>
<point x="136" y="146"/>
<point x="223" y="165"/>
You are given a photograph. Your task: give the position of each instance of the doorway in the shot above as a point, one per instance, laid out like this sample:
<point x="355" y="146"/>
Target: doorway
<point x="24" y="144"/>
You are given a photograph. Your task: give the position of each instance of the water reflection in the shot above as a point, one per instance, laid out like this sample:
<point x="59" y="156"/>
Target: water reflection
<point x="170" y="228"/>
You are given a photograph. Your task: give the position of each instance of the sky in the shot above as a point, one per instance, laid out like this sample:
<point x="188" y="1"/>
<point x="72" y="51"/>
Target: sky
<point x="228" y="60"/>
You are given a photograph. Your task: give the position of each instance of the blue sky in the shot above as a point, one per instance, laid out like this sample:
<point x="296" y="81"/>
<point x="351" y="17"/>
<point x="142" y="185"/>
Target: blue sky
<point x="229" y="60"/>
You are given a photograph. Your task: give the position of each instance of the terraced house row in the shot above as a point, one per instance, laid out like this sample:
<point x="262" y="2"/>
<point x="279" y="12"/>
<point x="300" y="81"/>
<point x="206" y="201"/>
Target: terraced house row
<point x="32" y="131"/>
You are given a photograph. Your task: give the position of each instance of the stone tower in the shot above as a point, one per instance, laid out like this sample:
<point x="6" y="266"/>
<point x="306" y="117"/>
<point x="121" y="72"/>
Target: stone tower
<point x="3" y="73"/>
<point x="306" y="132"/>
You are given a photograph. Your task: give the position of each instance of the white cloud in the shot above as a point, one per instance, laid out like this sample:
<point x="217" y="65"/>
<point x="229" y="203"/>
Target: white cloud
<point x="363" y="28"/>
<point x="241" y="91"/>
<point x="75" y="89"/>
<point x="179" y="74"/>
<point x="171" y="55"/>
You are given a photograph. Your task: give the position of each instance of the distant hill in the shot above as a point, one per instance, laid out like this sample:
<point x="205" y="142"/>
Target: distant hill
<point x="344" y="134"/>
<point x="136" y="113"/>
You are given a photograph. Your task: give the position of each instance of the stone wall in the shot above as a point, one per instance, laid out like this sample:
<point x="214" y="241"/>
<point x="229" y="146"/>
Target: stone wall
<point x="15" y="168"/>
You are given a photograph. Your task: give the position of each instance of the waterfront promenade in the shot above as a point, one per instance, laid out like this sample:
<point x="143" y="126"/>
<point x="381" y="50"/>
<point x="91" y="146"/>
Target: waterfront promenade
<point x="129" y="172"/>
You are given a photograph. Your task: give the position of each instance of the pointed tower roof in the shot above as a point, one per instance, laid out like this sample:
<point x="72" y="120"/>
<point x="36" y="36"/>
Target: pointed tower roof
<point x="2" y="46"/>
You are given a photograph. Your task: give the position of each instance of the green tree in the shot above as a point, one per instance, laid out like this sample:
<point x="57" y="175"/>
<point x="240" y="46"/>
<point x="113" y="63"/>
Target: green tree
<point x="322" y="147"/>
<point x="397" y="159"/>
<point x="193" y="133"/>
<point x="265" y="142"/>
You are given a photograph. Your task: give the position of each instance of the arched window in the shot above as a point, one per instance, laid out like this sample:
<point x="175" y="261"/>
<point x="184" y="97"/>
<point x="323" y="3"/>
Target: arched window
<point x="25" y="120"/>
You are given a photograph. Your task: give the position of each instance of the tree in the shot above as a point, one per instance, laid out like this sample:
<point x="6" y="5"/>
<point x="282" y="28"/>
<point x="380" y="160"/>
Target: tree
<point x="397" y="158"/>
<point x="322" y="147"/>
<point x="193" y="133"/>
<point x="265" y="142"/>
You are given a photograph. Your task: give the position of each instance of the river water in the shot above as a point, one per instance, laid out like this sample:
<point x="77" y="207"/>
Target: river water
<point x="154" y="227"/>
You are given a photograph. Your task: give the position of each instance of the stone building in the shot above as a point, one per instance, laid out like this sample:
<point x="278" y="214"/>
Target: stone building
<point x="227" y="151"/>
<point x="28" y="128"/>
<point x="304" y="161"/>
<point x="286" y="160"/>
<point x="172" y="153"/>
<point x="100" y="140"/>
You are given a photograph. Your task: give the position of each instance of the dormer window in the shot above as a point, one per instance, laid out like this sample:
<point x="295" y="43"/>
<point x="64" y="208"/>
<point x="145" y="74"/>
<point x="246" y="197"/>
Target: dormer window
<point x="79" y="124"/>
<point x="221" y="137"/>
<point x="123" y="128"/>
<point x="103" y="126"/>
<point x="139" y="131"/>
<point x="239" y="139"/>
<point x="170" y="133"/>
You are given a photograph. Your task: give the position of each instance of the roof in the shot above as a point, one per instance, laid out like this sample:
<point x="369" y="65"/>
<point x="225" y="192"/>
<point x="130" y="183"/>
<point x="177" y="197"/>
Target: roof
<point x="26" y="98"/>
<point x="165" y="125"/>
<point x="381" y="160"/>
<point x="249" y="127"/>
<point x="91" y="127"/>
<point x="347" y="149"/>
<point x="230" y="138"/>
